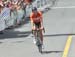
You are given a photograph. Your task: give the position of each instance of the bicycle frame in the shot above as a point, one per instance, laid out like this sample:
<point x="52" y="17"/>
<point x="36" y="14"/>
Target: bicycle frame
<point x="38" y="42"/>
<point x="37" y="34"/>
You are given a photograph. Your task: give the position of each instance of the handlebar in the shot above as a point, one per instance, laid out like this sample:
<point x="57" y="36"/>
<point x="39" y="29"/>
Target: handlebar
<point x="38" y="30"/>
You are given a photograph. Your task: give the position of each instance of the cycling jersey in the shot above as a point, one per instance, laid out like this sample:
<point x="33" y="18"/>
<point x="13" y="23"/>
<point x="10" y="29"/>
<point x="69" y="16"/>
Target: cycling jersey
<point x="36" y="18"/>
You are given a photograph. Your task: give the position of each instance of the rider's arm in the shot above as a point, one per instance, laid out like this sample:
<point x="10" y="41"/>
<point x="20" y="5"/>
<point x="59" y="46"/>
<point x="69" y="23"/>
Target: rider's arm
<point x="32" y="24"/>
<point x="31" y="19"/>
<point x="41" y="17"/>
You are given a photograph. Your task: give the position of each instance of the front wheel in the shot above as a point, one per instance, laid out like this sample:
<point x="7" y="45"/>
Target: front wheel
<point x="40" y="48"/>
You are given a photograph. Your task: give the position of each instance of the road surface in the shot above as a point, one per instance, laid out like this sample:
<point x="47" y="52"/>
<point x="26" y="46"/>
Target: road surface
<point x="59" y="38"/>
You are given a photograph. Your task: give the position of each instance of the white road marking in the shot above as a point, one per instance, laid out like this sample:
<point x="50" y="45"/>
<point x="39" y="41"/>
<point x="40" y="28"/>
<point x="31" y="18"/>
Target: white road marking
<point x="67" y="7"/>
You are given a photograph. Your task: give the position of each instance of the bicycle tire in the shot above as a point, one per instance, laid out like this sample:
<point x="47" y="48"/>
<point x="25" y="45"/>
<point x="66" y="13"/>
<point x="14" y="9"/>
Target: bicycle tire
<point x="39" y="44"/>
<point x="40" y="48"/>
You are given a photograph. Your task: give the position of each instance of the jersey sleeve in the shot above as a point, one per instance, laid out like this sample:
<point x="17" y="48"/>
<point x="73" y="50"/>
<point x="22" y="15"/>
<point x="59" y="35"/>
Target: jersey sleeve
<point x="40" y="14"/>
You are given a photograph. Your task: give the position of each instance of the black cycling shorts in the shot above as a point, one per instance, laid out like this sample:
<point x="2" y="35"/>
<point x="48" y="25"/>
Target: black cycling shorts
<point x="38" y="25"/>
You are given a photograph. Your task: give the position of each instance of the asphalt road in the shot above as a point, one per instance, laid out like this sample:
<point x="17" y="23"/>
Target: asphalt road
<point x="59" y="23"/>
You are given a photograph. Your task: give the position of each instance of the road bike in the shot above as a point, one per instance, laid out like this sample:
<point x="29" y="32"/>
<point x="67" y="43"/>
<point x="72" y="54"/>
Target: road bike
<point x="37" y="34"/>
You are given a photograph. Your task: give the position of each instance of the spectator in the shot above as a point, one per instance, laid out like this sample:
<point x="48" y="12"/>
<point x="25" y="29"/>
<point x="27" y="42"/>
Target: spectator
<point x="27" y="1"/>
<point x="2" y="22"/>
<point x="19" y="13"/>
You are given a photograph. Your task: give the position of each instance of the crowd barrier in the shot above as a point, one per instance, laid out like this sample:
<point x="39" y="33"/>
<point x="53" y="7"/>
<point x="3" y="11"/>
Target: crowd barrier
<point x="16" y="16"/>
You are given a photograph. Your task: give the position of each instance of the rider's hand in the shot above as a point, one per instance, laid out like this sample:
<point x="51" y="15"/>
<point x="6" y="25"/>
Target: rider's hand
<point x="42" y="27"/>
<point x="33" y="28"/>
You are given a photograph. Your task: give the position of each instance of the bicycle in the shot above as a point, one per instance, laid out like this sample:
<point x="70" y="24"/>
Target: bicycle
<point x="37" y="34"/>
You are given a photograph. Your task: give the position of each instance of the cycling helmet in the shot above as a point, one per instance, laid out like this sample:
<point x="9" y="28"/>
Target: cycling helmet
<point x="34" y="9"/>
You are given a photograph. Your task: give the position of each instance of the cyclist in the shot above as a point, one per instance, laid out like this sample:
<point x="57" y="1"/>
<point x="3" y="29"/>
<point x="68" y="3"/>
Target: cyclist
<point x="36" y="19"/>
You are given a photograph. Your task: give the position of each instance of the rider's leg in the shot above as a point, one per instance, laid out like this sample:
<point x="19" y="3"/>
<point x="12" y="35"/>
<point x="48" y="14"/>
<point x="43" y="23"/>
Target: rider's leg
<point x="34" y="39"/>
<point x="41" y="36"/>
<point x="34" y="33"/>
